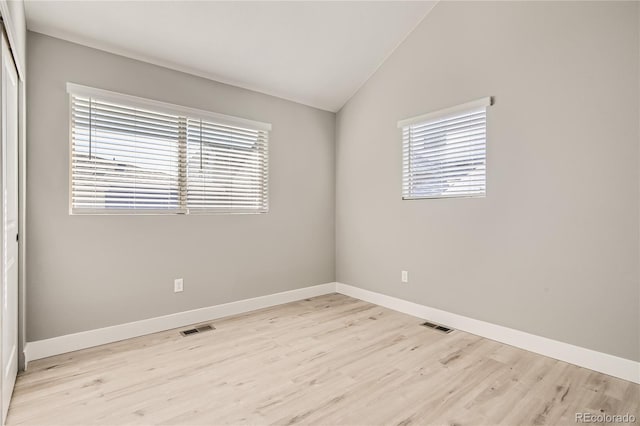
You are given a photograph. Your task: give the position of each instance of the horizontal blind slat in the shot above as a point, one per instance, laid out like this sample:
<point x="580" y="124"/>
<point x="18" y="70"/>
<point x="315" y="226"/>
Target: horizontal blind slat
<point x="430" y="132"/>
<point x="449" y="139"/>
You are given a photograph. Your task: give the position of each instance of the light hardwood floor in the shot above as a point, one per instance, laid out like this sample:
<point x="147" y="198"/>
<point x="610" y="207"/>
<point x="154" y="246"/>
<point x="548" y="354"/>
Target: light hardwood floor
<point x="327" y="360"/>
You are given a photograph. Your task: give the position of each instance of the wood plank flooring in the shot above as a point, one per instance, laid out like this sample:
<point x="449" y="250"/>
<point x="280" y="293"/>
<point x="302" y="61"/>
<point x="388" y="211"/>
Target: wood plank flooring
<point x="330" y="360"/>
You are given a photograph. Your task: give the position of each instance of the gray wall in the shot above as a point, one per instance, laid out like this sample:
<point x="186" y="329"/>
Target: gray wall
<point x="553" y="248"/>
<point x="86" y="272"/>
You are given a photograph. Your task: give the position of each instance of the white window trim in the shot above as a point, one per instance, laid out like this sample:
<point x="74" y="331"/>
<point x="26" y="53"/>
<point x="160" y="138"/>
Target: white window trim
<point x="442" y="113"/>
<point x="165" y="107"/>
<point x="162" y="107"/>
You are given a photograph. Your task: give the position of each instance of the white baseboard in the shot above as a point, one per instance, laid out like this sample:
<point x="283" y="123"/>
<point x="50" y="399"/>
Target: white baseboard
<point x="86" y="339"/>
<point x="609" y="364"/>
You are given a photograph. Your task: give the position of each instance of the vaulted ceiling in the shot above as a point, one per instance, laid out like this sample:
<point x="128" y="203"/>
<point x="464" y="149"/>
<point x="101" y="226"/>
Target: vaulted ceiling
<point x="318" y="53"/>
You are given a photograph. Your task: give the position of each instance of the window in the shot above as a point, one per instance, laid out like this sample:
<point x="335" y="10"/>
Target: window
<point x="444" y="152"/>
<point x="131" y="155"/>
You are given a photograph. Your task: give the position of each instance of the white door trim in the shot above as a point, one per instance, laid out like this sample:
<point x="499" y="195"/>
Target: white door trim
<point x="10" y="133"/>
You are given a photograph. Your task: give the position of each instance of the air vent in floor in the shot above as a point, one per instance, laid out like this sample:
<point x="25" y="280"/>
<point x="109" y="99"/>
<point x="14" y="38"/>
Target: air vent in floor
<point x="199" y="329"/>
<point x="438" y="327"/>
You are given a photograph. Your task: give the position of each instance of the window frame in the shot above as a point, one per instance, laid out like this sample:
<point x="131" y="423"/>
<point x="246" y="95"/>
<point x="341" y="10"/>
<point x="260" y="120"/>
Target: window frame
<point x="442" y="114"/>
<point x="165" y="108"/>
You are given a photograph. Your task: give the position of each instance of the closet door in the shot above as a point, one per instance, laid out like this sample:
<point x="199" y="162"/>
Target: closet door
<point x="9" y="163"/>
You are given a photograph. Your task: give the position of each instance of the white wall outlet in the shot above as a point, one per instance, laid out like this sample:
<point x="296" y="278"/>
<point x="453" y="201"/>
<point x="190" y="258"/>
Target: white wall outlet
<point x="405" y="276"/>
<point x="178" y="285"/>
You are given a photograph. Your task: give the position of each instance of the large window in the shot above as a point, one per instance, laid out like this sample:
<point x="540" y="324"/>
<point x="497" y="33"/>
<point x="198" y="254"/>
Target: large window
<point x="131" y="155"/>
<point x="444" y="152"/>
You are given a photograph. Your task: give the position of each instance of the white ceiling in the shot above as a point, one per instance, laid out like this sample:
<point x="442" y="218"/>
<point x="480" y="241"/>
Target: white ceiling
<point x="317" y="53"/>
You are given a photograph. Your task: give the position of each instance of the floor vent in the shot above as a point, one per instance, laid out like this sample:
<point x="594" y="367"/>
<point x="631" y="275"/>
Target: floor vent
<point x="441" y="328"/>
<point x="199" y="329"/>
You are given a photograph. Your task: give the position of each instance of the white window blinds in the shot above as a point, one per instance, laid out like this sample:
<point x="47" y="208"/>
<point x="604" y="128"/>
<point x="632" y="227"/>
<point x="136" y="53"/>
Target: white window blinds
<point x="123" y="158"/>
<point x="132" y="155"/>
<point x="444" y="153"/>
<point x="226" y="167"/>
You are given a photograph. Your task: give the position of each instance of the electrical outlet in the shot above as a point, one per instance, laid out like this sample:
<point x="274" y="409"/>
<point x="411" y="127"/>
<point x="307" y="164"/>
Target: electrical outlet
<point x="178" y="285"/>
<point x="405" y="276"/>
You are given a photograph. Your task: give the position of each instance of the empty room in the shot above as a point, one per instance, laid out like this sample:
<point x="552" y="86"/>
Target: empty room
<point x="319" y="212"/>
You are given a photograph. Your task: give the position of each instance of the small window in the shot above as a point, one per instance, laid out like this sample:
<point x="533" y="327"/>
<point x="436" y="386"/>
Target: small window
<point x="131" y="155"/>
<point x="444" y="152"/>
